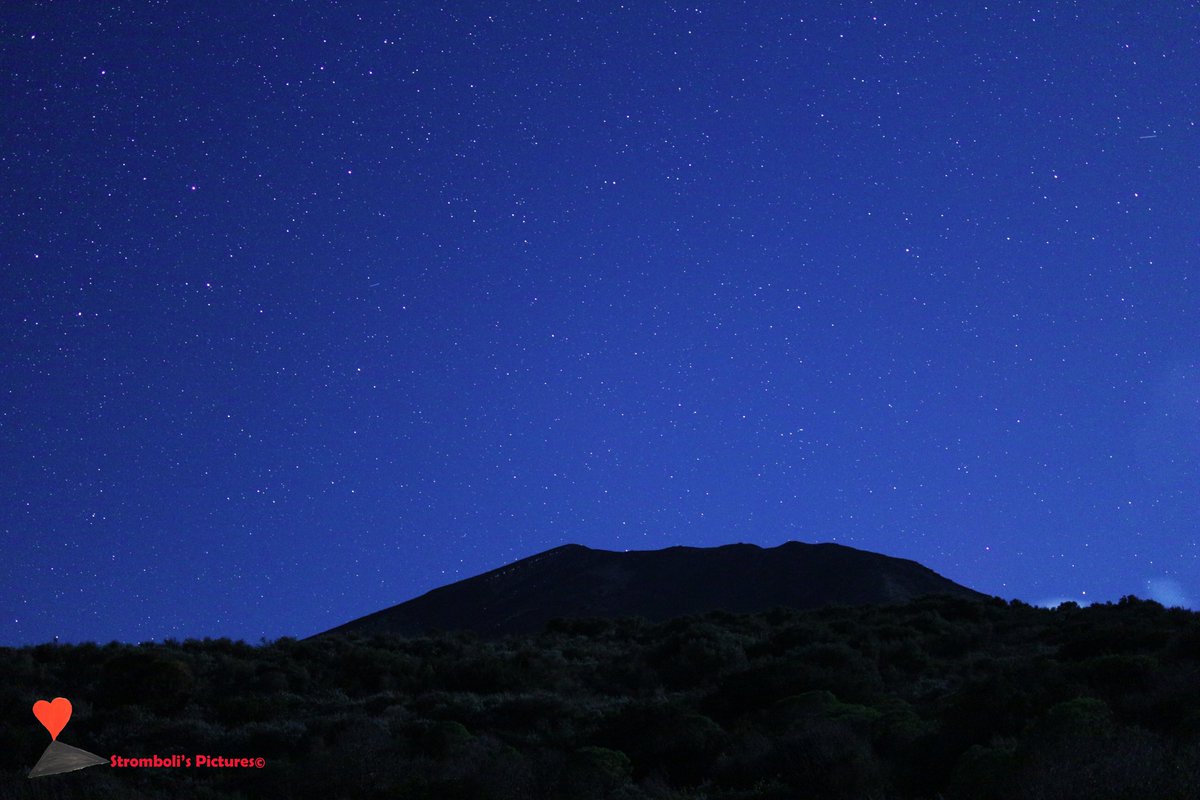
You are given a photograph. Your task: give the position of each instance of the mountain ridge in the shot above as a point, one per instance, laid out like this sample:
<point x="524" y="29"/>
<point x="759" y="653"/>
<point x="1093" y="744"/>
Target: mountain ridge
<point x="574" y="580"/>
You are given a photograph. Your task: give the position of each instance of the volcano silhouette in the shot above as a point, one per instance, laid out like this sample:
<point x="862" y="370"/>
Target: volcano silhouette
<point x="577" y="581"/>
<point x="59" y="757"/>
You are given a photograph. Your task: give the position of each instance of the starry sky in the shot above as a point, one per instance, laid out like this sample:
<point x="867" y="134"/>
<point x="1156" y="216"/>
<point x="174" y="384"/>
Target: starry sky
<point x="309" y="308"/>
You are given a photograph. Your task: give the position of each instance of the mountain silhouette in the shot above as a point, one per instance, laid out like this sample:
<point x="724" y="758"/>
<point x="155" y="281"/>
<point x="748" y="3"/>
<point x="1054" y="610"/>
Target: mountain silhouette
<point x="577" y="581"/>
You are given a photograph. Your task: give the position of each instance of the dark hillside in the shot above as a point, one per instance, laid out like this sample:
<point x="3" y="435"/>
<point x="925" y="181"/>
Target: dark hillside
<point x="576" y="581"/>
<point x="936" y="698"/>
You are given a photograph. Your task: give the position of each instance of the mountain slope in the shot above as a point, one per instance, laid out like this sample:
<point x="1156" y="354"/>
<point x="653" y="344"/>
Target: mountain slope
<point x="577" y="581"/>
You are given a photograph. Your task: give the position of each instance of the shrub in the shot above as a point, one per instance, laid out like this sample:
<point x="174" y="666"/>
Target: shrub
<point x="147" y="678"/>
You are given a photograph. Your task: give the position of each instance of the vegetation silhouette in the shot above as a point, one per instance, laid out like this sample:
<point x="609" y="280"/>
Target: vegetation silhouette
<point x="942" y="697"/>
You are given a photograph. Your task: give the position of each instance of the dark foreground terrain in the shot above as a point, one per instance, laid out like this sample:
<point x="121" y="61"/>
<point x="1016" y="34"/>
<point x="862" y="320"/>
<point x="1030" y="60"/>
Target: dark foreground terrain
<point x="947" y="697"/>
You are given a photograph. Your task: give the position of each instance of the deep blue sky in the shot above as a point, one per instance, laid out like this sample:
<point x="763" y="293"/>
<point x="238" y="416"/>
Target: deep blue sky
<point x="308" y="309"/>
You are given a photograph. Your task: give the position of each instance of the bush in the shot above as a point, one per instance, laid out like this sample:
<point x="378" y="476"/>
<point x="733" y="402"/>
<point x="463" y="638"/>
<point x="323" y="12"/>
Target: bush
<point x="595" y="772"/>
<point x="147" y="678"/>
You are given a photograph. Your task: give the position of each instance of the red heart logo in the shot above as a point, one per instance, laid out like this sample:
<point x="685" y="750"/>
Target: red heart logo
<point x="53" y="714"/>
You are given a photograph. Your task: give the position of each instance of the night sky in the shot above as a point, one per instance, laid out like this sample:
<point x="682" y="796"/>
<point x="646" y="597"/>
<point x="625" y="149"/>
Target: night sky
<point x="310" y="308"/>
